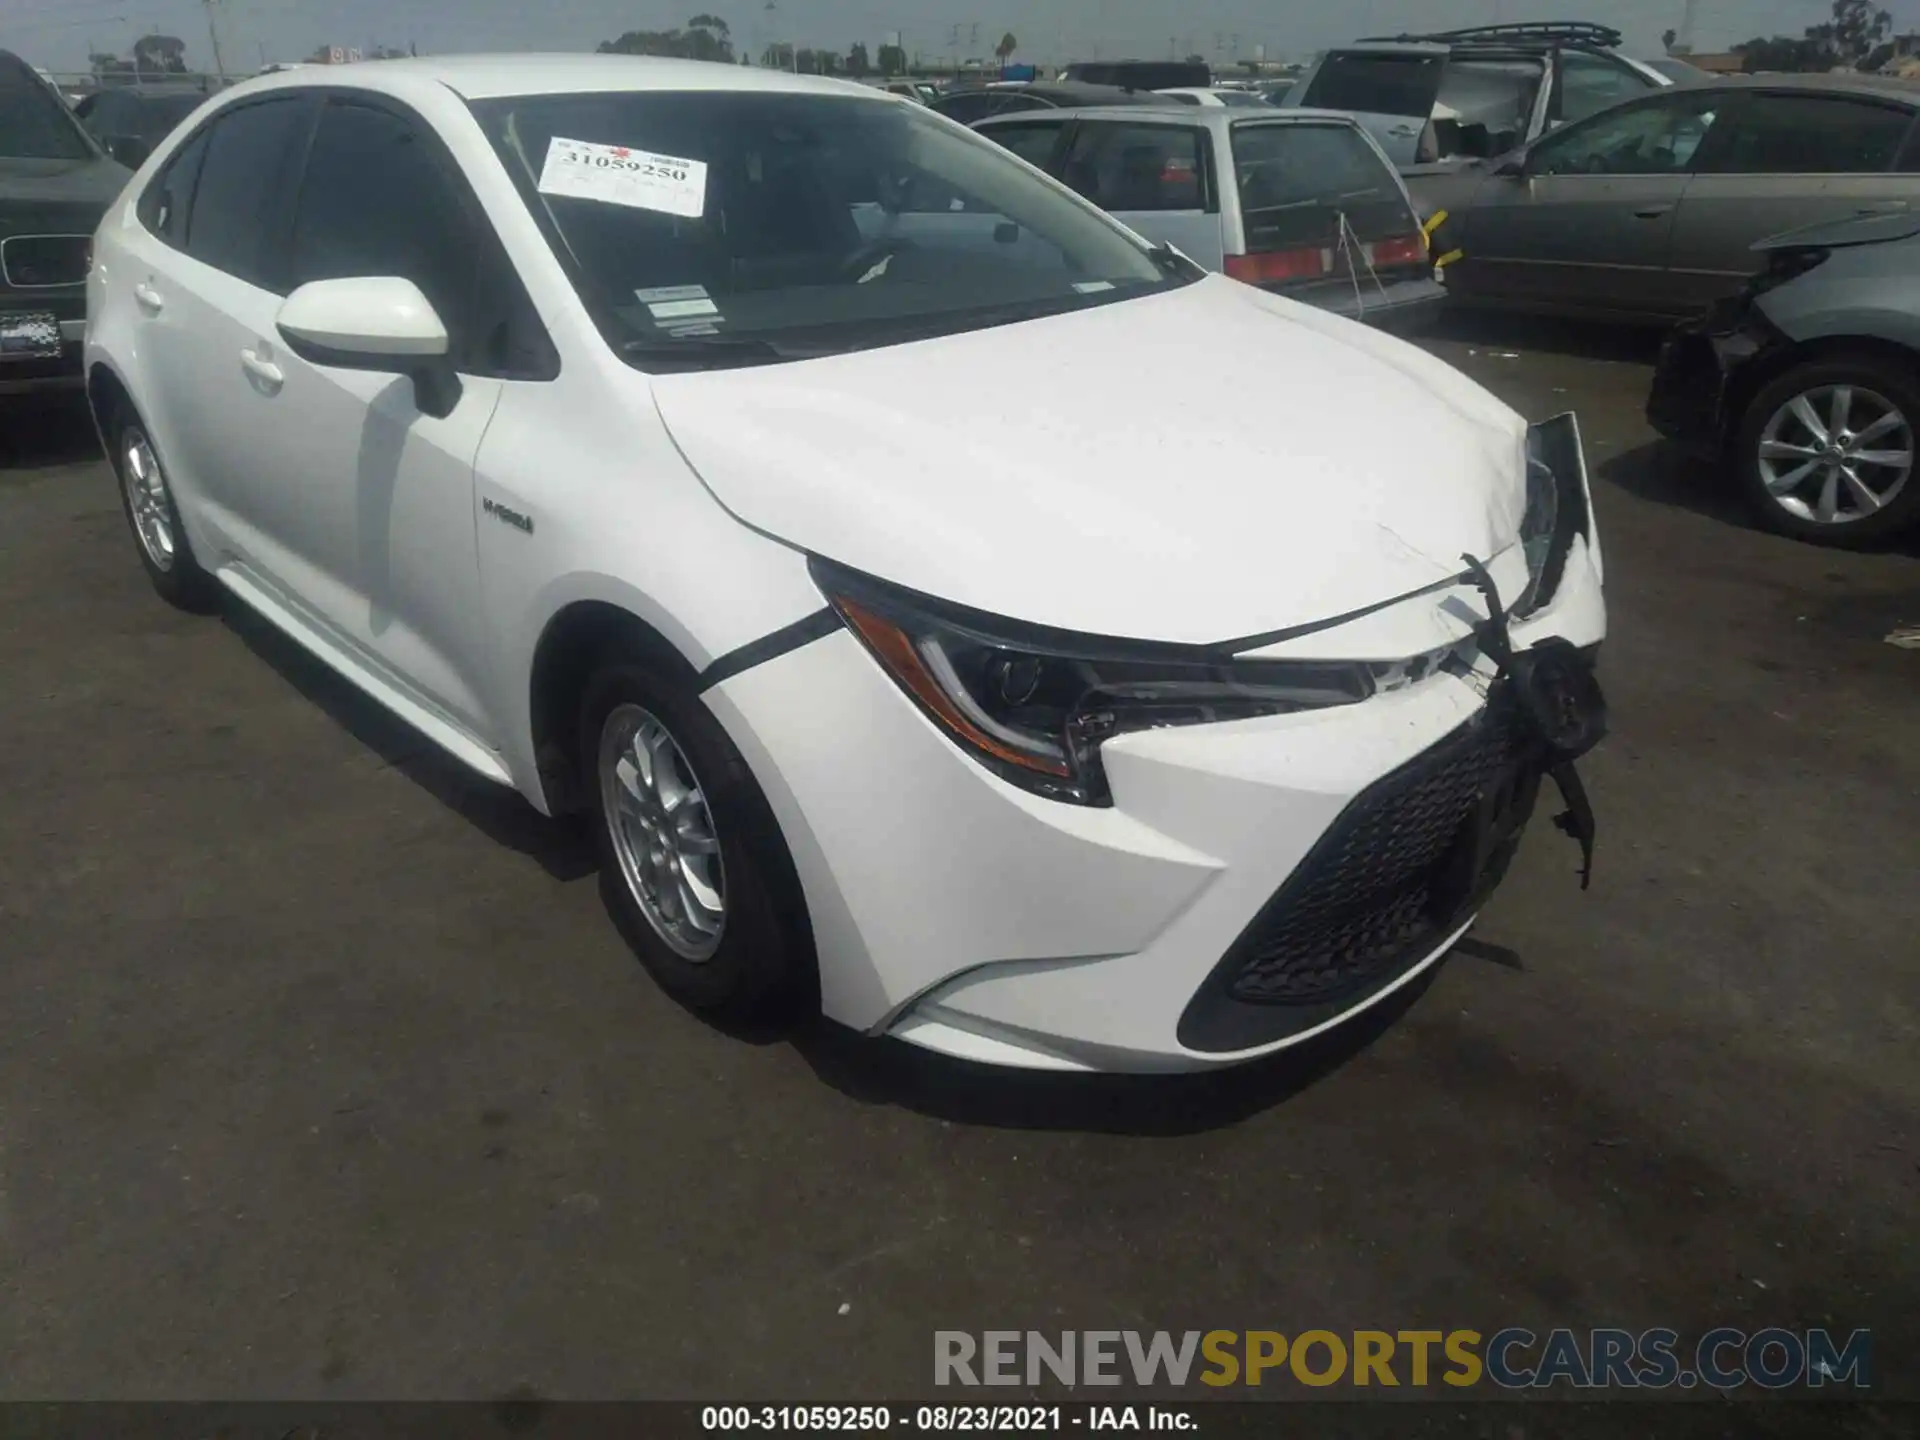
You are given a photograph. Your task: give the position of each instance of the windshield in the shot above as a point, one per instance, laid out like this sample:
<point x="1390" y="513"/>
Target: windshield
<point x="1314" y="185"/>
<point x="34" y="122"/>
<point x="730" y="227"/>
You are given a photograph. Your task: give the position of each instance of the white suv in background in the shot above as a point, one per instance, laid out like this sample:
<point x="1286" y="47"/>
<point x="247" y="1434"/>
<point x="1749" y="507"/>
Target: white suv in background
<point x="976" y="622"/>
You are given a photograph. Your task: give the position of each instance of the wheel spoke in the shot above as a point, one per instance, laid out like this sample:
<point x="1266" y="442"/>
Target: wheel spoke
<point x="628" y="774"/>
<point x="1862" y="492"/>
<point x="1881" y="457"/>
<point x="1782" y="484"/>
<point x="1842" y="408"/>
<point x="1829" y="496"/>
<point x="1805" y="413"/>
<point x="1781" y="450"/>
<point x="1886" y="423"/>
<point x="699" y="912"/>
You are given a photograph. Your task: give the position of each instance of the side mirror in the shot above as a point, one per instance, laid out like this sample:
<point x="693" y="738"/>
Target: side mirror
<point x="380" y="323"/>
<point x="130" y="150"/>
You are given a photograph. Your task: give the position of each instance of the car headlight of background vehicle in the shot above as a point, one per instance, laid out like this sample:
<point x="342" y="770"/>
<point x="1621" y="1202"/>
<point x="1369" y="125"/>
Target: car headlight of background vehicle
<point x="1035" y="704"/>
<point x="1556" y="508"/>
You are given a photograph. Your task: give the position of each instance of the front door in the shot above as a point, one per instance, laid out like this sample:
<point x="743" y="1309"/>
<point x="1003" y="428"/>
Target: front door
<point x="1589" y="223"/>
<point x="1783" y="160"/>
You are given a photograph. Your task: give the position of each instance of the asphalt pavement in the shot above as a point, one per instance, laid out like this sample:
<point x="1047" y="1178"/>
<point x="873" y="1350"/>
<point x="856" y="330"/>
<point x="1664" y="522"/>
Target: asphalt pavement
<point x="325" y="1075"/>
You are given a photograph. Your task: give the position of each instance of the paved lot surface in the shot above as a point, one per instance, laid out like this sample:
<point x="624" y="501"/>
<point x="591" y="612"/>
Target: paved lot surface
<point x="324" y="1074"/>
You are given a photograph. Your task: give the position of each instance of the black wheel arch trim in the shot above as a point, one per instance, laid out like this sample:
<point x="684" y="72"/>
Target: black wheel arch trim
<point x="787" y="638"/>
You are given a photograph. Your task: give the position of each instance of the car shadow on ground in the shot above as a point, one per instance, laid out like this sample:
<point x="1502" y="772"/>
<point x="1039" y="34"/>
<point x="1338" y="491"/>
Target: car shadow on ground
<point x="503" y="815"/>
<point x="881" y="1071"/>
<point x="40" y="431"/>
<point x="1669" y="474"/>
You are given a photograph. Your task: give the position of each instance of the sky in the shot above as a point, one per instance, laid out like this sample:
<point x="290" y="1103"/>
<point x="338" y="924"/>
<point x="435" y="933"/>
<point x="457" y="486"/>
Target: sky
<point x="58" y="34"/>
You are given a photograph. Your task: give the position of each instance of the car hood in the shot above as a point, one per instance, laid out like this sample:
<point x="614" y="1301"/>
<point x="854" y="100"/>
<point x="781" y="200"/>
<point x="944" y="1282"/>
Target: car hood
<point x="94" y="182"/>
<point x="1193" y="466"/>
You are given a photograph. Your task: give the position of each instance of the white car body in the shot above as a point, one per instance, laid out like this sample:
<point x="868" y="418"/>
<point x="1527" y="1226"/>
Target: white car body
<point x="1215" y="97"/>
<point x="1180" y="468"/>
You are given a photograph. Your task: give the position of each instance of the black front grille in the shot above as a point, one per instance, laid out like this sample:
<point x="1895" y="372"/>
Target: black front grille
<point x="1385" y="883"/>
<point x="35" y="262"/>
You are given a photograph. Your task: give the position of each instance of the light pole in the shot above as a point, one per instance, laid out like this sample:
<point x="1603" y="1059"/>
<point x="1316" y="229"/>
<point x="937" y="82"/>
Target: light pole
<point x="213" y="34"/>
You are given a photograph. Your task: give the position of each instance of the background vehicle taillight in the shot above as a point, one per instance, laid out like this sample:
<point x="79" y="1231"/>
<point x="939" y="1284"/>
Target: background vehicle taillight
<point x="1399" y="250"/>
<point x="1274" y="266"/>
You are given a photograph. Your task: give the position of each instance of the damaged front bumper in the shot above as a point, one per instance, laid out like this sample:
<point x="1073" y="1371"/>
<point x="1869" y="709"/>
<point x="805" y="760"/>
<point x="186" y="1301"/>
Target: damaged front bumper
<point x="1253" y="883"/>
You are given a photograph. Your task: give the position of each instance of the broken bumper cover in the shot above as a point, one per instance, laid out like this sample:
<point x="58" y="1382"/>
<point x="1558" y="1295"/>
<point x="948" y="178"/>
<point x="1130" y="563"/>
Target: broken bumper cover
<point x="1253" y="883"/>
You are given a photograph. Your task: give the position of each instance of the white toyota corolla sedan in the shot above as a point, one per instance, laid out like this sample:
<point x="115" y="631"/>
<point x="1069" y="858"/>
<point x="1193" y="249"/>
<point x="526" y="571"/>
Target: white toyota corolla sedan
<point x="945" y="607"/>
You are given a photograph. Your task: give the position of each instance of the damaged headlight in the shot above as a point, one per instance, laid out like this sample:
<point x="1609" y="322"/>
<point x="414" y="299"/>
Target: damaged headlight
<point x="1034" y="705"/>
<point x="1556" y="508"/>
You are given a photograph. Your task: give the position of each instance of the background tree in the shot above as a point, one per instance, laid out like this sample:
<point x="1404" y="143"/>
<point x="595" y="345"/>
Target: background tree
<point x="162" y="54"/>
<point x="706" y="37"/>
<point x="110" y="69"/>
<point x="858" y="64"/>
<point x="1857" y="28"/>
<point x="1004" y="50"/>
<point x="893" y="60"/>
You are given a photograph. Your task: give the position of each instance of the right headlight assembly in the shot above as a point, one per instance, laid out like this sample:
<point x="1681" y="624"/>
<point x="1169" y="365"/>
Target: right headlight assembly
<point x="1034" y="705"/>
<point x="1556" y="508"/>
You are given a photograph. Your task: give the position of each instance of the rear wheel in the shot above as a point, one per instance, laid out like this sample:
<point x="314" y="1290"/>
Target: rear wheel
<point x="693" y="866"/>
<point x="1826" y="452"/>
<point x="147" y="500"/>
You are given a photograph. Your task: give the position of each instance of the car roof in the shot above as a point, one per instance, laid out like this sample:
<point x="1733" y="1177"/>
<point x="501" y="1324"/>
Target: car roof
<point x="1850" y="82"/>
<point x="489" y="77"/>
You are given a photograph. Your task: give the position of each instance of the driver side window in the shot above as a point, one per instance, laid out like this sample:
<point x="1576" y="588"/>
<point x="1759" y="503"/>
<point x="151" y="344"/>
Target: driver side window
<point x="1656" y="139"/>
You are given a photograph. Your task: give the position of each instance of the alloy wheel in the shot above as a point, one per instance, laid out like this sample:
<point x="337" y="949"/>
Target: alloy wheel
<point x="1836" y="454"/>
<point x="146" y="487"/>
<point x="662" y="832"/>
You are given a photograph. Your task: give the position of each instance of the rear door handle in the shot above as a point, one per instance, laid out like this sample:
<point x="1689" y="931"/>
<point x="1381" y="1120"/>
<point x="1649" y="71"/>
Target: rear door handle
<point x="263" y="370"/>
<point x="148" y="298"/>
<point x="1653" y="212"/>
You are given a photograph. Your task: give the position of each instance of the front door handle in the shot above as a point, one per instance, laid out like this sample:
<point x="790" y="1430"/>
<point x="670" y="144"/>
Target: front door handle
<point x="1653" y="212"/>
<point x="263" y="370"/>
<point x="148" y="298"/>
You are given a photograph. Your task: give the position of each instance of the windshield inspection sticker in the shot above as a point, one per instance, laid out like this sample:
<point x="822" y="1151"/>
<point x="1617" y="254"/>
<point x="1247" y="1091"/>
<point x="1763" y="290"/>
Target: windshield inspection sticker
<point x="677" y="302"/>
<point x="616" y="175"/>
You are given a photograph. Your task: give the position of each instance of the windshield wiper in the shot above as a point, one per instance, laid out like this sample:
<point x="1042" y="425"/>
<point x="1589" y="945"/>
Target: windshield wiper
<point x="703" y="351"/>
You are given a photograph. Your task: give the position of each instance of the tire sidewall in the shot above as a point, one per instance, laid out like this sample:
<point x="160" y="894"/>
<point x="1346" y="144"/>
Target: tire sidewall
<point x="764" y="964"/>
<point x="1867" y="372"/>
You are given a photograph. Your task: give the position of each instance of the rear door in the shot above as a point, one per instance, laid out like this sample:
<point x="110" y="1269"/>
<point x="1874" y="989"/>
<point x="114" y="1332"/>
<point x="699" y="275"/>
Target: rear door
<point x="1589" y="225"/>
<point x="1786" y="159"/>
<point x="1389" y="91"/>
<point x="1156" y="179"/>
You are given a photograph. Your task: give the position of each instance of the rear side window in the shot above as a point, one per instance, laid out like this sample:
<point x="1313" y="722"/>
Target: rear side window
<point x="1033" y="141"/>
<point x="1811" y="135"/>
<point x="1308" y="184"/>
<point x="34" y="122"/>
<point x="1376" y="82"/>
<point x="967" y="108"/>
<point x="1139" y="167"/>
<point x="168" y="201"/>
<point x="248" y="152"/>
<point x="377" y="199"/>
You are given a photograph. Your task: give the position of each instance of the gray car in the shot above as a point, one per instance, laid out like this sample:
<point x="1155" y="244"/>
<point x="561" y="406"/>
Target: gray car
<point x="1807" y="382"/>
<point x="1300" y="202"/>
<point x="1649" y="211"/>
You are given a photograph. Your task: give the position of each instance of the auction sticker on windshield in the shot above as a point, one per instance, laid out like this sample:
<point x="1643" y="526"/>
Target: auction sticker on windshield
<point x="615" y="175"/>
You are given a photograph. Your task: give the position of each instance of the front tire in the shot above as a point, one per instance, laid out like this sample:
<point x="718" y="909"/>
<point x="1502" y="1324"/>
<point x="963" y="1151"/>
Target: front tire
<point x="1826" y="452"/>
<point x="693" y="866"/>
<point x="146" y="499"/>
